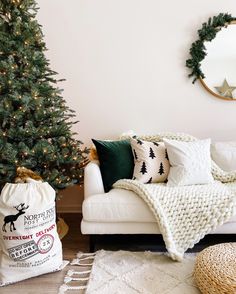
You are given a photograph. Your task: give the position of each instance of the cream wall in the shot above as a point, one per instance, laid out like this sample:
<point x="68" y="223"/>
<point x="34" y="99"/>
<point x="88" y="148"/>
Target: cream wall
<point x="124" y="61"/>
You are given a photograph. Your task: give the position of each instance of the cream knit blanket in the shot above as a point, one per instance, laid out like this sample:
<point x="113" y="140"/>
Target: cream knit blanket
<point x="186" y="214"/>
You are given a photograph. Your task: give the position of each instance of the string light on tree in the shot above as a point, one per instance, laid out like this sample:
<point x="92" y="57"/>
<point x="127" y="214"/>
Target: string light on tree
<point x="39" y="116"/>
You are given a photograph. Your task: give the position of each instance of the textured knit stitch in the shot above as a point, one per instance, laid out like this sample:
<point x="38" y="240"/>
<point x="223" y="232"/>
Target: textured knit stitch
<point x="186" y="214"/>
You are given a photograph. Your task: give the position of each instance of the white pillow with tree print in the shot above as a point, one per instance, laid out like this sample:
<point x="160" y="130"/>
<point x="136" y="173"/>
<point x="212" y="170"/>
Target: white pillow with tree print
<point x="151" y="164"/>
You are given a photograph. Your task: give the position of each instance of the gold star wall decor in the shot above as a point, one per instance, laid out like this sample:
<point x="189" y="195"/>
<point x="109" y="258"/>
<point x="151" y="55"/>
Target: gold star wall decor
<point x="226" y="90"/>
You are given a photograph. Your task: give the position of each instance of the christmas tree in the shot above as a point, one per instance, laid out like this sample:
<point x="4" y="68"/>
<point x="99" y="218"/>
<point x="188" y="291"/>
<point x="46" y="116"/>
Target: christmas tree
<point x="151" y="153"/>
<point x="35" y="123"/>
<point x="143" y="168"/>
<point x="166" y="155"/>
<point x="149" y="181"/>
<point x="161" y="169"/>
<point x="135" y="154"/>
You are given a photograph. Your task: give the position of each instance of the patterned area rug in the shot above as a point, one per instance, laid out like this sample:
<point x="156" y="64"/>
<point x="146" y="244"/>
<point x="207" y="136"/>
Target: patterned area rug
<point x="119" y="272"/>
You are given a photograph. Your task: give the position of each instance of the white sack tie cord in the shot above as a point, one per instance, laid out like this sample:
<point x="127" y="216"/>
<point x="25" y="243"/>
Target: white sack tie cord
<point x="186" y="214"/>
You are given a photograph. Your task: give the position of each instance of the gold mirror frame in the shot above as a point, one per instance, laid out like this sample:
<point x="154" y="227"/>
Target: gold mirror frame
<point x="214" y="93"/>
<point x="208" y="89"/>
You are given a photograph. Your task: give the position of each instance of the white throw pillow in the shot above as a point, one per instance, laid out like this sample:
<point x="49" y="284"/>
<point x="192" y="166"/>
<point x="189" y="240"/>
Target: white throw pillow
<point x="224" y="155"/>
<point x="151" y="164"/>
<point x="190" y="162"/>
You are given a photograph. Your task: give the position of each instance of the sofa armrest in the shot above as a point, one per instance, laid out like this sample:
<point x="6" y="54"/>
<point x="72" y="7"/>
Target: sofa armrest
<point x="93" y="183"/>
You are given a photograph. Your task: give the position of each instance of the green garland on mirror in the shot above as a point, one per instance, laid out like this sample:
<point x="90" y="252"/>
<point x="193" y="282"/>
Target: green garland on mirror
<point x="206" y="33"/>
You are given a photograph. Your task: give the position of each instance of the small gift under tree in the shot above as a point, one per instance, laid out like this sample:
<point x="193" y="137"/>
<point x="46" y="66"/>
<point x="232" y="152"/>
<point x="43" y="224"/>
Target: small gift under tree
<point x="35" y="122"/>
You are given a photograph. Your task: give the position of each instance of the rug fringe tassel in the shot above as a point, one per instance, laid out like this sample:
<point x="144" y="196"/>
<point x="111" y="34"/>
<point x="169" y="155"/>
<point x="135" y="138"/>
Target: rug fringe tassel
<point x="81" y="254"/>
<point x="77" y="261"/>
<point x="65" y="288"/>
<point x="69" y="275"/>
<point x="69" y="279"/>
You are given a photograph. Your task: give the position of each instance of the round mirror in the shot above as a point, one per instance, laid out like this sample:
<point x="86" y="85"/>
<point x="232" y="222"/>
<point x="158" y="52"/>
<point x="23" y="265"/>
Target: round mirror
<point x="219" y="65"/>
<point x="213" y="56"/>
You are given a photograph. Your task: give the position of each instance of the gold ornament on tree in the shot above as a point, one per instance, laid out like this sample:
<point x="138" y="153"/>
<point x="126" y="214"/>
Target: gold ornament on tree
<point x="226" y="90"/>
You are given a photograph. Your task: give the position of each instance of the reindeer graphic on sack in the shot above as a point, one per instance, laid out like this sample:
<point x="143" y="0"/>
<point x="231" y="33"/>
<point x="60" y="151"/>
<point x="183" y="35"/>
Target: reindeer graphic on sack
<point x="29" y="242"/>
<point x="13" y="217"/>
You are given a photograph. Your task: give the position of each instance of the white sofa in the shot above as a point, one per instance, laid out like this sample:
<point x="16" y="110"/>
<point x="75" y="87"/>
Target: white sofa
<point x="120" y="211"/>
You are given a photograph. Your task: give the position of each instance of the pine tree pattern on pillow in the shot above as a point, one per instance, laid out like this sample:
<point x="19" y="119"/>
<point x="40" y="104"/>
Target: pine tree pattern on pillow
<point x="151" y="161"/>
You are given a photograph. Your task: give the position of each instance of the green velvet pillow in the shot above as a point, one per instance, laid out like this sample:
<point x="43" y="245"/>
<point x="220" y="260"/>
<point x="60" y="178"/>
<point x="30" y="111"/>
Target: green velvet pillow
<point x="116" y="161"/>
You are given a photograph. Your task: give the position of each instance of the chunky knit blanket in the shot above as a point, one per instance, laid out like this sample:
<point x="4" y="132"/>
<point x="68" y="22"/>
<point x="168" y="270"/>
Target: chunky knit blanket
<point x="186" y="214"/>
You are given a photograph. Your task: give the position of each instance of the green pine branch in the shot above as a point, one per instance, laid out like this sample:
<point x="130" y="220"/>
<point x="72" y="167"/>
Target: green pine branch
<point x="207" y="32"/>
<point x="35" y="121"/>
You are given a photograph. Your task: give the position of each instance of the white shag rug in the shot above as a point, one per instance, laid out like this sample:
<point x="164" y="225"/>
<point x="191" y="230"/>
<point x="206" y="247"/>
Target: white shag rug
<point x="126" y="272"/>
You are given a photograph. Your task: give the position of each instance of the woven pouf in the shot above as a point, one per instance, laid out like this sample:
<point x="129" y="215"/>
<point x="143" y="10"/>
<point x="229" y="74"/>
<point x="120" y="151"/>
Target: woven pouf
<point x="215" y="269"/>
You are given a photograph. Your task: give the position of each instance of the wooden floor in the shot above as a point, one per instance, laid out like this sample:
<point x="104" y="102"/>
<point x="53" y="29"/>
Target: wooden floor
<point x="74" y="241"/>
<point x="50" y="283"/>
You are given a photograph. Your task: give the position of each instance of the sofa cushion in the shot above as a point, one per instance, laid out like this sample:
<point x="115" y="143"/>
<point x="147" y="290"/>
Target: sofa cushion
<point x="102" y="228"/>
<point x="105" y="228"/>
<point x="116" y="161"/>
<point x="224" y="155"/>
<point x="119" y="205"/>
<point x="116" y="205"/>
<point x="151" y="164"/>
<point x="190" y="162"/>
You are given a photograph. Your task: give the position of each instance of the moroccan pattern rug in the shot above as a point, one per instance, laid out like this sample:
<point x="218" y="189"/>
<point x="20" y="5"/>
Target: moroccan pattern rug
<point x="125" y="272"/>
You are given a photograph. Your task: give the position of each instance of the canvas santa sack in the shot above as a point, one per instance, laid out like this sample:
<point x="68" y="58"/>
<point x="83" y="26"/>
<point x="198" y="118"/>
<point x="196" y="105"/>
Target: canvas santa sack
<point x="29" y="242"/>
